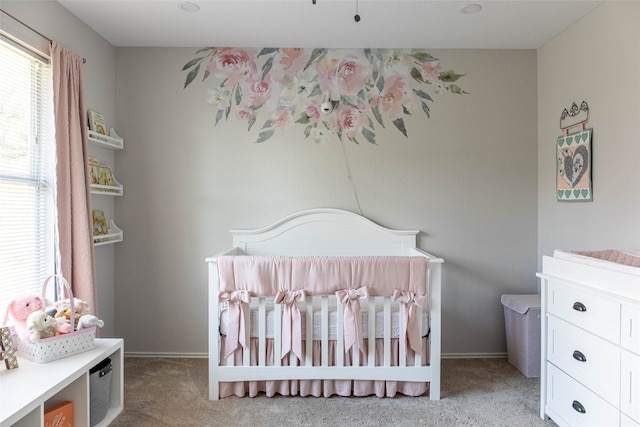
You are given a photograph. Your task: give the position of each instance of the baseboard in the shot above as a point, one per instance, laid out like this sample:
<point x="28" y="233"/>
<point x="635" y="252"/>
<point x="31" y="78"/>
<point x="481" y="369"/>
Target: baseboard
<point x="167" y="355"/>
<point x="474" y="355"/>
<point x="206" y="355"/>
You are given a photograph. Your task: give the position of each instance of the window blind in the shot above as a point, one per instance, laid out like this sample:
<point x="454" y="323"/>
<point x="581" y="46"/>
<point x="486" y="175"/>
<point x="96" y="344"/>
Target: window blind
<point x="27" y="213"/>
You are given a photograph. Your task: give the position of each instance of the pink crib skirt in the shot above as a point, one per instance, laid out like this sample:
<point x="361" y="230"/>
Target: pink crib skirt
<point x="326" y="388"/>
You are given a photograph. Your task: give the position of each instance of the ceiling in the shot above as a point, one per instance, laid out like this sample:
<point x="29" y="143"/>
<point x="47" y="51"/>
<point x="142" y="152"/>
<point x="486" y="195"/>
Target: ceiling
<point x="501" y="24"/>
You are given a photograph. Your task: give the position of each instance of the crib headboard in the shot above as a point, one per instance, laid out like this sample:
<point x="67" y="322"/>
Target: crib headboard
<point x="325" y="231"/>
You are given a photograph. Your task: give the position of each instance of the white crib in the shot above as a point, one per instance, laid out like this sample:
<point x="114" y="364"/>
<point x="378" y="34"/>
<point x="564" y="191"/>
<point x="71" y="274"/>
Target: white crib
<point x="387" y="358"/>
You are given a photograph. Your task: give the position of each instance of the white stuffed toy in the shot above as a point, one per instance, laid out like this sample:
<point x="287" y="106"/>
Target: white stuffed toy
<point x="88" y="320"/>
<point x="40" y="325"/>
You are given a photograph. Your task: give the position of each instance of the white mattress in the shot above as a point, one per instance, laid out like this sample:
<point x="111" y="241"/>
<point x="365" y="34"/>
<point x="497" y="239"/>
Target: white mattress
<point x="622" y="261"/>
<point x="317" y="316"/>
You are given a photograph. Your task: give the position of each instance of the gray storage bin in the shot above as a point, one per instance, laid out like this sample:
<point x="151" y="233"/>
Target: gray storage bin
<point x="99" y="391"/>
<point x="522" y="325"/>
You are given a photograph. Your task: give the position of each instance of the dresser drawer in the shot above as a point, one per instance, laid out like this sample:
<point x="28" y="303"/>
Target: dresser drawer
<point x="630" y="385"/>
<point x="630" y="327"/>
<point x="575" y="404"/>
<point x="591" y="360"/>
<point x="588" y="310"/>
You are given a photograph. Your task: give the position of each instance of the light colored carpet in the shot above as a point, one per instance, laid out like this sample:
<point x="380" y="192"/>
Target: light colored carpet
<point x="475" y="392"/>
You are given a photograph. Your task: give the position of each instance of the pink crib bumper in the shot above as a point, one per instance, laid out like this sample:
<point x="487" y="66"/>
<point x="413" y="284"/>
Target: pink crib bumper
<point x="289" y="279"/>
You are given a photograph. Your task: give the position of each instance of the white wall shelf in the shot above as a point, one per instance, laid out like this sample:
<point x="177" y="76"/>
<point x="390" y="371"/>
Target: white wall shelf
<point x="111" y="141"/>
<point x="108" y="190"/>
<point x="114" y="235"/>
<point x="34" y="387"/>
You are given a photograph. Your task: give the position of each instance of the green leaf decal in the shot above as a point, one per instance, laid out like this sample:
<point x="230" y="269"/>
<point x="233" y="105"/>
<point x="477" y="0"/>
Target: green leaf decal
<point x="315" y="91"/>
<point x="267" y="50"/>
<point x="251" y="123"/>
<point x="204" y="49"/>
<point x="267" y="67"/>
<point x="376" y="114"/>
<point x="399" y="123"/>
<point x="303" y="119"/>
<point x="369" y="135"/>
<point x="417" y="75"/>
<point x="238" y="94"/>
<point x="219" y="116"/>
<point x="426" y="110"/>
<point x="192" y="63"/>
<point x="316" y="54"/>
<point x="192" y="75"/>
<point x="263" y="136"/>
<point x="450" y="76"/>
<point x="456" y="89"/>
<point x="423" y="57"/>
<point x="422" y="94"/>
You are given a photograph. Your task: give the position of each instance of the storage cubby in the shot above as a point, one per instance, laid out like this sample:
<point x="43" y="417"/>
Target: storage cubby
<point x="33" y="387"/>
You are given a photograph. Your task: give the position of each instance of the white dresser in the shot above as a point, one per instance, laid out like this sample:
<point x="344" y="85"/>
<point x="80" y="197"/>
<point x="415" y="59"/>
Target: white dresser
<point x="590" y="348"/>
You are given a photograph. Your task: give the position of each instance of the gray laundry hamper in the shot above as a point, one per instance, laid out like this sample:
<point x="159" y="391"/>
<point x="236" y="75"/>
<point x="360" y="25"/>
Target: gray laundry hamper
<point x="522" y="326"/>
<point x="99" y="391"/>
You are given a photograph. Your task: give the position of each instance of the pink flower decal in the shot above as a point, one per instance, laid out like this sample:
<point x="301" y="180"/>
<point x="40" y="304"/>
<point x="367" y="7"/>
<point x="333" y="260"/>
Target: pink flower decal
<point x="233" y="65"/>
<point x="283" y="87"/>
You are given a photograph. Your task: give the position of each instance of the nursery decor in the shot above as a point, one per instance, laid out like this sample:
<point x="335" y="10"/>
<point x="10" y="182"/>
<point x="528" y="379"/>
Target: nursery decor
<point x="348" y="93"/>
<point x="573" y="156"/>
<point x="8" y="352"/>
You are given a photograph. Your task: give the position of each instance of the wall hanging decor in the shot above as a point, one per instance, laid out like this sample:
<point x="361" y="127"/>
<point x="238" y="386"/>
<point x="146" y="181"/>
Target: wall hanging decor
<point x="343" y="92"/>
<point x="573" y="156"/>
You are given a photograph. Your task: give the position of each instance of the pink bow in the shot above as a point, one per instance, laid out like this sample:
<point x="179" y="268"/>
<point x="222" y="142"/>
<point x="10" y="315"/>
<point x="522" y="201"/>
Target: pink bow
<point x="291" y="322"/>
<point x="352" y="317"/>
<point x="235" y="319"/>
<point x="412" y="331"/>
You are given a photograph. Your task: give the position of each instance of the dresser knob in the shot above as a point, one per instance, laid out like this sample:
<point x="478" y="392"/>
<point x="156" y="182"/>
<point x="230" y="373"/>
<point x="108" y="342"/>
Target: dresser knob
<point x="579" y="356"/>
<point x="578" y="407"/>
<point x="578" y="306"/>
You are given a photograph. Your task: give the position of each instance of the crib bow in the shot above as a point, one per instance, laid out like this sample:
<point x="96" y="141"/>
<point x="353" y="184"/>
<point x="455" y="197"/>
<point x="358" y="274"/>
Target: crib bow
<point x="291" y="322"/>
<point x="412" y="330"/>
<point x="235" y="319"/>
<point x="352" y="316"/>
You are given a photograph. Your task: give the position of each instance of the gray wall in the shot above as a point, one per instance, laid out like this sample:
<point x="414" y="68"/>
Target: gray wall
<point x="466" y="177"/>
<point x="57" y="23"/>
<point x="596" y="60"/>
<point x="477" y="178"/>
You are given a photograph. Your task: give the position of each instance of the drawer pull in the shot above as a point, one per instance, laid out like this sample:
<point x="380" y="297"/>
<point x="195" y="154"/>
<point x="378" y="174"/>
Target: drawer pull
<point x="578" y="306"/>
<point x="578" y="407"/>
<point x="579" y="356"/>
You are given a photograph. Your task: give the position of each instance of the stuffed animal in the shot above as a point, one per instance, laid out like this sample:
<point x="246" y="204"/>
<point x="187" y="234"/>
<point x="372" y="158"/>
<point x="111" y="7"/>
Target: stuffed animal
<point x="63" y="326"/>
<point x="40" y="325"/>
<point x="19" y="310"/>
<point x="89" y="320"/>
<point x="63" y="308"/>
<point x="81" y="307"/>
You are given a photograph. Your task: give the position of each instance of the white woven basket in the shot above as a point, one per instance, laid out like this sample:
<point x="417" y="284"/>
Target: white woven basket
<point x="54" y="348"/>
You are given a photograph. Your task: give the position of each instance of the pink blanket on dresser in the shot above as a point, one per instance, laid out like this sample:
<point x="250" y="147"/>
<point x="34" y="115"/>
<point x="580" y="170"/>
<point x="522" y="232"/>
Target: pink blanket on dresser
<point x="291" y="279"/>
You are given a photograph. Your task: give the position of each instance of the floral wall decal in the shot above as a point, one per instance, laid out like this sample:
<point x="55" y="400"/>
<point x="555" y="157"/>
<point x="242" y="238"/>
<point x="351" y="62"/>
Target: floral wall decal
<point x="343" y="92"/>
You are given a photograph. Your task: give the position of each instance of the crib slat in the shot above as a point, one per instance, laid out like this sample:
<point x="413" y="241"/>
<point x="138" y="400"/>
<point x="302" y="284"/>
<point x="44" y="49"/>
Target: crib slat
<point x="387" y="331"/>
<point x="262" y="333"/>
<point x="339" y="334"/>
<point x="277" y="334"/>
<point x="247" y="335"/>
<point x="309" y="332"/>
<point x="402" y="352"/>
<point x="418" y="358"/>
<point x="371" y="361"/>
<point x="325" y="330"/>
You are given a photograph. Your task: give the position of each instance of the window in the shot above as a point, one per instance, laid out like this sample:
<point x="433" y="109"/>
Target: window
<point x="27" y="213"/>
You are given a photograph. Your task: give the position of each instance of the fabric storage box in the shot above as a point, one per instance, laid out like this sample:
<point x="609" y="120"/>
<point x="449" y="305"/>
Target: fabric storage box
<point x="99" y="391"/>
<point x="522" y="325"/>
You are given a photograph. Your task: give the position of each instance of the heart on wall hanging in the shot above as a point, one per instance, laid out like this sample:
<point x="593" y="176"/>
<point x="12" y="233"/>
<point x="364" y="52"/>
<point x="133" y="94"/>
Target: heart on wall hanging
<point x="348" y="93"/>
<point x="573" y="157"/>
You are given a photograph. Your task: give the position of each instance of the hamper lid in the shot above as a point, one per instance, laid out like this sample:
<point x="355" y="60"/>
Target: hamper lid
<point x="521" y="303"/>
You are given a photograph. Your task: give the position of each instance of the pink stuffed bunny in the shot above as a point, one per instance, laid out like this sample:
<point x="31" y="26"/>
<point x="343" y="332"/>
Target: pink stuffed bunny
<point x="19" y="310"/>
